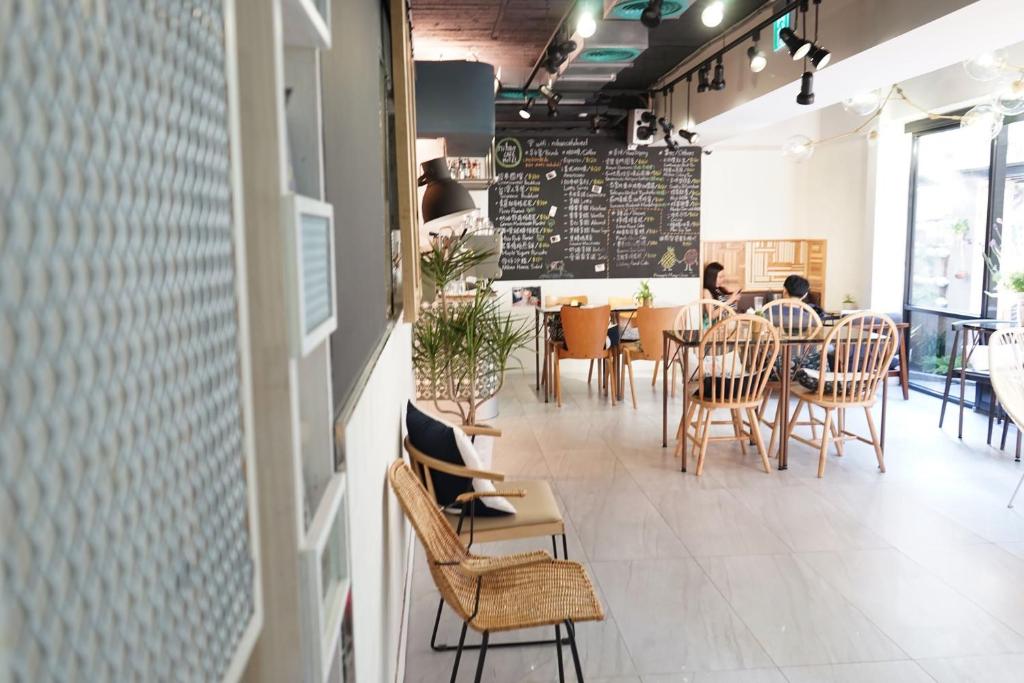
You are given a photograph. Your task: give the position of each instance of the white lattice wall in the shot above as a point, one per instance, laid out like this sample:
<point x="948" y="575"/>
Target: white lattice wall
<point x="125" y="552"/>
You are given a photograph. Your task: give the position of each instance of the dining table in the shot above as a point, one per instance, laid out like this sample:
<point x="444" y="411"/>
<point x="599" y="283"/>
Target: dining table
<point x="675" y="344"/>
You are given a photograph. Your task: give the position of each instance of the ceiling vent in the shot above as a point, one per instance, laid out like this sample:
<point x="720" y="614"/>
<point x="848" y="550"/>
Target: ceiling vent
<point x="630" y="10"/>
<point x="597" y="59"/>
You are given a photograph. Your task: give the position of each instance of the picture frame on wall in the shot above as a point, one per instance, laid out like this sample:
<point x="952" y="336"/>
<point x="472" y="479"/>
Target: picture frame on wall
<point x="324" y="581"/>
<point x="312" y="276"/>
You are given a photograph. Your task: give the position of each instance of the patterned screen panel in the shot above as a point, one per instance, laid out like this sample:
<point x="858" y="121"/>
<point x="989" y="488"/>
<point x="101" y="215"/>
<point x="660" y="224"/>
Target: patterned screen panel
<point x="125" y="552"/>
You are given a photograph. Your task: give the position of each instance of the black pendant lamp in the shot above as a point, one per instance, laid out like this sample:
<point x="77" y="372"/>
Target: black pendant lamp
<point x="806" y="95"/>
<point x="445" y="201"/>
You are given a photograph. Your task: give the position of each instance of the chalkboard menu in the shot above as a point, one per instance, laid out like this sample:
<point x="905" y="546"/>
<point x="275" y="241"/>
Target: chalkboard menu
<point x="579" y="207"/>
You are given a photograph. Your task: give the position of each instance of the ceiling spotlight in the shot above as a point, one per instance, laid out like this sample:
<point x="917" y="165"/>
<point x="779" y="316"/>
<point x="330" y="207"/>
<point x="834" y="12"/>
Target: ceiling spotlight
<point x="756" y="58"/>
<point x="651" y="16"/>
<point x="702" y="78"/>
<point x="666" y="127"/>
<point x="524" y="111"/>
<point x="719" y="82"/>
<point x="713" y="14"/>
<point x="557" y="54"/>
<point x="670" y="143"/>
<point x="595" y="123"/>
<point x="552" y="109"/>
<point x="585" y="25"/>
<point x="798" y="47"/>
<point x="692" y="137"/>
<point x="819" y="57"/>
<point x="806" y="95"/>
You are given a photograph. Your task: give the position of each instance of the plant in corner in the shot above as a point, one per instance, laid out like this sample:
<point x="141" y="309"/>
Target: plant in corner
<point x="644" y="296"/>
<point x="462" y="347"/>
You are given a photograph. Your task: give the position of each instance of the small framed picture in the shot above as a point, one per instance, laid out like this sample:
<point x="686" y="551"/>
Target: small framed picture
<point x="310" y="226"/>
<point x="324" y="581"/>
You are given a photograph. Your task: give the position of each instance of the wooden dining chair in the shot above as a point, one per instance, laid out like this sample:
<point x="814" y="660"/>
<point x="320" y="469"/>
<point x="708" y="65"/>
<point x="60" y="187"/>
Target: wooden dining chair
<point x="651" y="323"/>
<point x="586" y="335"/>
<point x="736" y="355"/>
<point x="496" y="593"/>
<point x="696" y="315"/>
<point x="537" y="514"/>
<point x="855" y="358"/>
<point x="1006" y="367"/>
<point x="791" y="317"/>
<point x="551" y="302"/>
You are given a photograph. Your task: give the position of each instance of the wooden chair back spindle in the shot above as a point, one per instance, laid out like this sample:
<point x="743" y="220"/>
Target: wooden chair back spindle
<point x="856" y="356"/>
<point x="736" y="356"/>
<point x="693" y="314"/>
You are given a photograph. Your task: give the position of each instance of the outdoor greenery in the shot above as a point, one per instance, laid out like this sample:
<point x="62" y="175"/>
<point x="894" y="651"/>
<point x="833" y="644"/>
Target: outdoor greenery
<point x="462" y="347"/>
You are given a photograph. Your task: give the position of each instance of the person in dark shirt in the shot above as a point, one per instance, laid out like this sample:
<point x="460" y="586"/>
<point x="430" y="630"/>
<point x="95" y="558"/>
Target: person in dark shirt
<point x="798" y="287"/>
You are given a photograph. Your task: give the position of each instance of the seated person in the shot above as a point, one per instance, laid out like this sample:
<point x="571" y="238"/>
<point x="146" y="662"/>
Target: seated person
<point x="798" y="287"/>
<point x="805" y="356"/>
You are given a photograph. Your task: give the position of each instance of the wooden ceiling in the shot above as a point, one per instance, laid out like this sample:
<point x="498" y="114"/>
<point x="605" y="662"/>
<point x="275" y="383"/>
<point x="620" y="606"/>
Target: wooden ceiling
<point x="509" y="34"/>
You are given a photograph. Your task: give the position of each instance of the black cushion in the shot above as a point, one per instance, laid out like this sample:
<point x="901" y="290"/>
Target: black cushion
<point x="725" y="386"/>
<point x="436" y="439"/>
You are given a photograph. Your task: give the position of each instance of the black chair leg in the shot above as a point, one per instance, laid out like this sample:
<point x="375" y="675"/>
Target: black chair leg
<point x="458" y="652"/>
<point x="483" y="655"/>
<point x="554" y="547"/>
<point x="437" y="621"/>
<point x="949" y="375"/>
<point x="575" y="653"/>
<point x="561" y="666"/>
<point x="1006" y="428"/>
<point x="565" y="545"/>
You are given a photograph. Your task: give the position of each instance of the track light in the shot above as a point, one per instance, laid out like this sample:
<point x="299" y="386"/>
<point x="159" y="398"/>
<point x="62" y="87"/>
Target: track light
<point x="524" y="111"/>
<point x="713" y="14"/>
<point x="651" y="16"/>
<point x="585" y="25"/>
<point x="755" y="55"/>
<point x="719" y="82"/>
<point x="557" y="54"/>
<point x="806" y="95"/>
<point x="702" y="78"/>
<point x="798" y="47"/>
<point x="666" y="127"/>
<point x="692" y="137"/>
<point x="819" y="57"/>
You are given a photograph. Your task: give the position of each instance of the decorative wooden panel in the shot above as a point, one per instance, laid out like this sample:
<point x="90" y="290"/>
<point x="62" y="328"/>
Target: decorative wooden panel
<point x="765" y="264"/>
<point x="730" y="255"/>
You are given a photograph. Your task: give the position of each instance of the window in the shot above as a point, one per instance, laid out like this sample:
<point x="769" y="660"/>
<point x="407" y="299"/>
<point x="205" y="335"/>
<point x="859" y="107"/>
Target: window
<point x="966" y="207"/>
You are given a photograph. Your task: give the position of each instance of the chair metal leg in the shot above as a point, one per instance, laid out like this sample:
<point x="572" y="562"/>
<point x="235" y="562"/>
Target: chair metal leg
<point x="480" y="659"/>
<point x="458" y="652"/>
<point x="558" y="649"/>
<point x="571" y="628"/>
<point x="433" y="634"/>
<point x="1015" y="492"/>
<point x="949" y="375"/>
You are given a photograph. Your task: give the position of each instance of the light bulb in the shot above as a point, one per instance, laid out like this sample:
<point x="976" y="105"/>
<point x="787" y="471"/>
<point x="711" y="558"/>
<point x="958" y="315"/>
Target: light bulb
<point x="757" y="59"/>
<point x="798" y="148"/>
<point x="983" y="120"/>
<point x="987" y="66"/>
<point x="1010" y="101"/>
<point x="713" y="14"/>
<point x="864" y="103"/>
<point x="586" y="26"/>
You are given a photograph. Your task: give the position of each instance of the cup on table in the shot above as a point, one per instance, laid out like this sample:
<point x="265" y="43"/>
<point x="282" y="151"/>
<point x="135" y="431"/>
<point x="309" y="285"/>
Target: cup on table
<point x="758" y="303"/>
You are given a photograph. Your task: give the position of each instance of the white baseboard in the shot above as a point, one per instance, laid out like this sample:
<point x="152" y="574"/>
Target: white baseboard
<point x="403" y="634"/>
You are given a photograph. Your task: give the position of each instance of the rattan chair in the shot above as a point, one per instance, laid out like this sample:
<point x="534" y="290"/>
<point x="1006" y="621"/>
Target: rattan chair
<point x="735" y="358"/>
<point x="855" y="358"/>
<point x="586" y="334"/>
<point x="500" y="593"/>
<point x="651" y="323"/>
<point x="791" y="317"/>
<point x="1006" y="367"/>
<point x="537" y="514"/>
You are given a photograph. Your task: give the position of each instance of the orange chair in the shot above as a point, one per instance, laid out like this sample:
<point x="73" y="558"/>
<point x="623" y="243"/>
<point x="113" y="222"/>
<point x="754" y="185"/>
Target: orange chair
<point x="651" y="323"/>
<point x="586" y="333"/>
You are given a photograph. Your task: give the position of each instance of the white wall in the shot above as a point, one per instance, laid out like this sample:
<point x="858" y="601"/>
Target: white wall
<point x="378" y="533"/>
<point x="750" y="191"/>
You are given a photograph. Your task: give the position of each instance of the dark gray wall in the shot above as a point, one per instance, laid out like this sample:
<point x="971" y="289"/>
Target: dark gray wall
<point x="354" y="183"/>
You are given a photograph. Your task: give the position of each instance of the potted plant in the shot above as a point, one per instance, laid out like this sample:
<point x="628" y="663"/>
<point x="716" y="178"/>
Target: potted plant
<point x="462" y="346"/>
<point x="644" y="296"/>
<point x="849" y="302"/>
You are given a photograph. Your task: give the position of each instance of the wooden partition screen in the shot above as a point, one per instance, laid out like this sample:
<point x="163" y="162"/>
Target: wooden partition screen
<point x="765" y="264"/>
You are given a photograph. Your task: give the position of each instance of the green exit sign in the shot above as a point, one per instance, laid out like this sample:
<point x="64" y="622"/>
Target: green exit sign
<point x="780" y="23"/>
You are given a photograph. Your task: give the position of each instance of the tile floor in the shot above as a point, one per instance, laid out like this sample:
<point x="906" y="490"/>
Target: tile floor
<point x="744" y="577"/>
